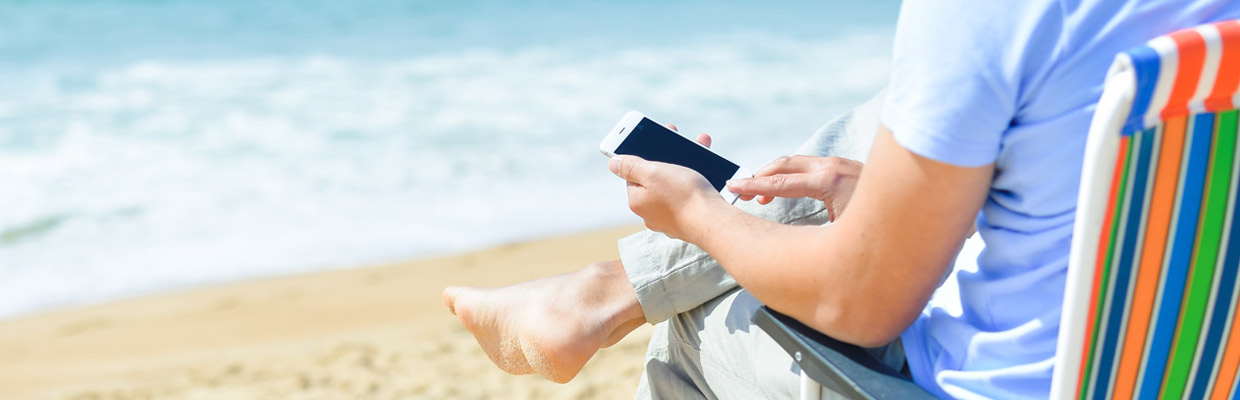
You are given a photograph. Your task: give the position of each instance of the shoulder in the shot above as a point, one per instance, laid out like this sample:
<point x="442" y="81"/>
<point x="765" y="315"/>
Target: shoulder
<point x="959" y="69"/>
<point x="979" y="29"/>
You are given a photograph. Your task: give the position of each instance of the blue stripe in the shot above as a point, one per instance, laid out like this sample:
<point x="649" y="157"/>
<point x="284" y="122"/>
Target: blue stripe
<point x="1119" y="297"/>
<point x="1181" y="255"/>
<point x="1230" y="264"/>
<point x="1235" y="394"/>
<point x="1145" y="63"/>
<point x="1222" y="305"/>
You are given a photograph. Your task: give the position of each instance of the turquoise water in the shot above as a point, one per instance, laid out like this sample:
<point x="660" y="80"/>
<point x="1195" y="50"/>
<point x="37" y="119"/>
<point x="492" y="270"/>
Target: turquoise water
<point x="151" y="145"/>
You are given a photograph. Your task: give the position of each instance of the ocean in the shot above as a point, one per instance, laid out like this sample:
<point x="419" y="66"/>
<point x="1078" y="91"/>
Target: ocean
<point x="148" y="145"/>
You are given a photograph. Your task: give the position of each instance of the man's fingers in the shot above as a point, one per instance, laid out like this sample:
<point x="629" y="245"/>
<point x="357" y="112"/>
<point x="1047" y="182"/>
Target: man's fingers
<point x="704" y="139"/>
<point x="784" y="185"/>
<point x="672" y="127"/>
<point x="788" y="165"/>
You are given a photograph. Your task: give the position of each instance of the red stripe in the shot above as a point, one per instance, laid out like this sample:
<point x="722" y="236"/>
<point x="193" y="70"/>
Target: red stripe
<point x="1192" y="49"/>
<point x="1228" y="75"/>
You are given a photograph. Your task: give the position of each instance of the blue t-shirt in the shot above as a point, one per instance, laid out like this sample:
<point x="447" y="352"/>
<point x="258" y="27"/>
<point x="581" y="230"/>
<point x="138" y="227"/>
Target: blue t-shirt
<point x="1012" y="83"/>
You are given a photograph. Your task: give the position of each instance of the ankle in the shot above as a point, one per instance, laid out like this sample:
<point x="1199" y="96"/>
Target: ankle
<point x="616" y="295"/>
<point x="606" y="271"/>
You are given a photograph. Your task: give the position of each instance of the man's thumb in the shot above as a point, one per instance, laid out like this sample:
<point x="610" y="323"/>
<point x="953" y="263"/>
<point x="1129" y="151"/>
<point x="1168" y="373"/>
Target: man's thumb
<point x="623" y="167"/>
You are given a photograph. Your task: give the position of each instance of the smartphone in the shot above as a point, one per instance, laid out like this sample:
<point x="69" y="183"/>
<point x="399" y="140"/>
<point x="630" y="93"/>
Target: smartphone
<point x="642" y="137"/>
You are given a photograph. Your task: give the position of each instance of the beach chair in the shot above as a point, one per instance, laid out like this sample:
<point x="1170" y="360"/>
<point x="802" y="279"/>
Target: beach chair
<point x="1150" y="299"/>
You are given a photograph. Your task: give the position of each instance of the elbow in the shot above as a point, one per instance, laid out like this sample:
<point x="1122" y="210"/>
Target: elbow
<point x="860" y="326"/>
<point x="870" y="336"/>
<point x="874" y="338"/>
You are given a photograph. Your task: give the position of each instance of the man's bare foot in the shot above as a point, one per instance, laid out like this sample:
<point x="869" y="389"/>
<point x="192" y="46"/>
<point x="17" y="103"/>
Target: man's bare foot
<point x="549" y="326"/>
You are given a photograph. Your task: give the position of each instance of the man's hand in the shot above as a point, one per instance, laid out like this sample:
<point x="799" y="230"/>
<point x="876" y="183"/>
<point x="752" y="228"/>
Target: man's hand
<point x="664" y="195"/>
<point x="660" y="193"/>
<point x="830" y="179"/>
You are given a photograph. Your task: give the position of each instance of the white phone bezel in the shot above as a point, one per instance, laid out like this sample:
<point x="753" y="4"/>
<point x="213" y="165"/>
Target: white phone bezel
<point x="741" y="173"/>
<point x="622" y="129"/>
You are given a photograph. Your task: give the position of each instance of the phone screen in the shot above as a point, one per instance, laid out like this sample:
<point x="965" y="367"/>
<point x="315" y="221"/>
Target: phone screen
<point x="654" y="142"/>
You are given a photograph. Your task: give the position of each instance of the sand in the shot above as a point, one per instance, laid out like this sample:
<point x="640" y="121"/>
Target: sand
<point x="377" y="332"/>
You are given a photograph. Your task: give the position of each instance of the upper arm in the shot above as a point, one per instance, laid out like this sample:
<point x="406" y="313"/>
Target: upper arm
<point x="906" y="222"/>
<point x="959" y="74"/>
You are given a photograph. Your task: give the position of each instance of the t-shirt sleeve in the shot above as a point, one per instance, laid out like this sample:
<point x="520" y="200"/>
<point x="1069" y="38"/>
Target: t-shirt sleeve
<point x="957" y="73"/>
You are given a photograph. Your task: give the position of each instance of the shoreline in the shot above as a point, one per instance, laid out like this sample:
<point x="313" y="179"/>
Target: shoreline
<point x="211" y="283"/>
<point x="377" y="331"/>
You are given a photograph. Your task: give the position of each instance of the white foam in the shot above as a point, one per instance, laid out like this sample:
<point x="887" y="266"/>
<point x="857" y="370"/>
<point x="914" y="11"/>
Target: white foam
<point x="161" y="174"/>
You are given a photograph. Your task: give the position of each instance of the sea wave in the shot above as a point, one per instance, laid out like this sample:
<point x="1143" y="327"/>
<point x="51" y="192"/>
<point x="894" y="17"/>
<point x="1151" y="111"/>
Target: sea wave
<point x="162" y="173"/>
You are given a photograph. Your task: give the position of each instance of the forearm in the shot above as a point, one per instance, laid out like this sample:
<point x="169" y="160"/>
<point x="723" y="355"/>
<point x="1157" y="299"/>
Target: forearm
<point x="864" y="278"/>
<point x="833" y="280"/>
<point x="672" y="276"/>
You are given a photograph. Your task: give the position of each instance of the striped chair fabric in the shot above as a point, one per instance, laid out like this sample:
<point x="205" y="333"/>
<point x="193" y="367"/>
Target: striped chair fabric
<point x="1150" y="307"/>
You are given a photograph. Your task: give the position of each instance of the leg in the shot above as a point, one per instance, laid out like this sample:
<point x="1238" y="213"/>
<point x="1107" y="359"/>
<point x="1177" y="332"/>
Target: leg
<point x="715" y="352"/>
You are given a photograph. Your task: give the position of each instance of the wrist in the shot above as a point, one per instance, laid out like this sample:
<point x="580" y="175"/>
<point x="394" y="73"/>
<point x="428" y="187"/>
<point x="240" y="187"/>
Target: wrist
<point x="703" y="218"/>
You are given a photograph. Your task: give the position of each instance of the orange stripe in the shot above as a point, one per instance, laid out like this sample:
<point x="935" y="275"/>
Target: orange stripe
<point x="1228" y="77"/>
<point x="1101" y="257"/>
<point x="1230" y="363"/>
<point x="1162" y="200"/>
<point x="1192" y="49"/>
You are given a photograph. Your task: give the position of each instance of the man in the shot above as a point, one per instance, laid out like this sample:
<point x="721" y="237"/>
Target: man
<point x="984" y="122"/>
<point x="552" y="326"/>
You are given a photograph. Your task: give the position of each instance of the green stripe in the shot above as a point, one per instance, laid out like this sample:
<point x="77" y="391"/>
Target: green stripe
<point x="1215" y="214"/>
<point x="1201" y="277"/>
<point x="1099" y="303"/>
<point x="1218" y="184"/>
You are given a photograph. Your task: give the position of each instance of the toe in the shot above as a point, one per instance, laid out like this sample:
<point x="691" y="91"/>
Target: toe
<point x="449" y="297"/>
